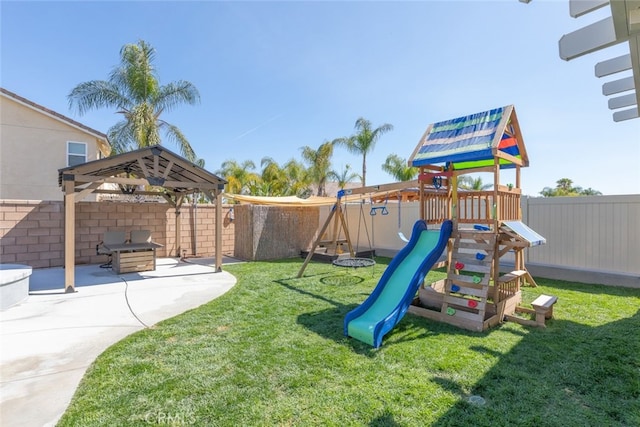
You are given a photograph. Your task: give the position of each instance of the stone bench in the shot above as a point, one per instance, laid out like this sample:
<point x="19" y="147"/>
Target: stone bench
<point x="14" y="284"/>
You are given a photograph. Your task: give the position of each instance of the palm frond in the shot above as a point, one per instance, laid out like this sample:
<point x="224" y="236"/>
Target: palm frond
<point x="173" y="94"/>
<point x="96" y="94"/>
<point x="121" y="138"/>
<point x="136" y="73"/>
<point x="175" y="135"/>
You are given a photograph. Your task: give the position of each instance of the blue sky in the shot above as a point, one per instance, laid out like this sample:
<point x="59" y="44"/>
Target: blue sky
<point x="276" y="76"/>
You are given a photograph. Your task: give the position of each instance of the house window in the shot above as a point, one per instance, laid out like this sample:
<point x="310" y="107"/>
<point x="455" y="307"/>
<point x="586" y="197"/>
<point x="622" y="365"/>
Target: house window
<point x="76" y="153"/>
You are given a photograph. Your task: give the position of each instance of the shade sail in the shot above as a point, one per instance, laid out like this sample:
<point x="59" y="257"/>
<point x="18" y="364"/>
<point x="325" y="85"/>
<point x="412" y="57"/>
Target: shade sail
<point x="282" y="201"/>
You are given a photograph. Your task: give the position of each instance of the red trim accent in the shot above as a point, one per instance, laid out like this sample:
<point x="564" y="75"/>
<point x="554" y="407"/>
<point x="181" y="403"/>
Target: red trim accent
<point x="507" y="142"/>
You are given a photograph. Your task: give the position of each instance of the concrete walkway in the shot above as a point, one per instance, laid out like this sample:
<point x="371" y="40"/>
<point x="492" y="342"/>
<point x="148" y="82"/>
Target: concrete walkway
<point x="49" y="340"/>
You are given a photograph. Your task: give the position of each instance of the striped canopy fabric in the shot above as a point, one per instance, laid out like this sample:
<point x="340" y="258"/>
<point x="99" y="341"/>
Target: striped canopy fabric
<point x="472" y="141"/>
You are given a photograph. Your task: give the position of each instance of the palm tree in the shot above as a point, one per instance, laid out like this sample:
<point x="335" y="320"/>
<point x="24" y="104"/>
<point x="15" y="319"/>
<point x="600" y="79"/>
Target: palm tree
<point x="564" y="187"/>
<point x="343" y="178"/>
<point x="258" y="187"/>
<point x="273" y="175"/>
<point x="238" y="175"/>
<point x="134" y="90"/>
<point x="590" y="192"/>
<point x="298" y="177"/>
<point x="319" y="164"/>
<point x="398" y="168"/>
<point x="473" y="184"/>
<point x="364" y="141"/>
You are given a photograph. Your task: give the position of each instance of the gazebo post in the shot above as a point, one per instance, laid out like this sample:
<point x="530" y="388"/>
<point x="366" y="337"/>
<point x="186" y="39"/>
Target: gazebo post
<point x="69" y="233"/>
<point x="178" y="223"/>
<point x="218" y="195"/>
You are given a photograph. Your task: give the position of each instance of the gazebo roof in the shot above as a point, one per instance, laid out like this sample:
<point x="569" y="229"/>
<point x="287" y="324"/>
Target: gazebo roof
<point x="473" y="141"/>
<point x="155" y="166"/>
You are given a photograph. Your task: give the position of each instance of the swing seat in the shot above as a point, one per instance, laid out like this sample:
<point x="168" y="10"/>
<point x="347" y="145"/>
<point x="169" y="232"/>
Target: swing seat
<point x="383" y="210"/>
<point x="354" y="262"/>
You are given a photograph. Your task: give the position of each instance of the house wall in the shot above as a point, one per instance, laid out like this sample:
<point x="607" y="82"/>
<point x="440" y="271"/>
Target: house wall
<point x="32" y="232"/>
<point x="33" y="146"/>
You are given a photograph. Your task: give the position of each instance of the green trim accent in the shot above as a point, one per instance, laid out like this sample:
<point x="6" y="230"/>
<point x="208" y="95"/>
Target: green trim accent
<point x="481" y="163"/>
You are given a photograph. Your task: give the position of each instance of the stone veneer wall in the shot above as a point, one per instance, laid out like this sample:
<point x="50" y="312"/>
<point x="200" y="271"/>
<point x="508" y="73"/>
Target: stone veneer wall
<point x="32" y="231"/>
<point x="274" y="232"/>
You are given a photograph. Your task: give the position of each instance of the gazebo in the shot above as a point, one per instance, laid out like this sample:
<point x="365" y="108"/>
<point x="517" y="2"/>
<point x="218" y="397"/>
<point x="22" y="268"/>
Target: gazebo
<point x="158" y="170"/>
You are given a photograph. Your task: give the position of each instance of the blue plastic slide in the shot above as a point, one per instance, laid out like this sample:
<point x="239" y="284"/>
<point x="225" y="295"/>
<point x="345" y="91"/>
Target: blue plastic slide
<point x="397" y="287"/>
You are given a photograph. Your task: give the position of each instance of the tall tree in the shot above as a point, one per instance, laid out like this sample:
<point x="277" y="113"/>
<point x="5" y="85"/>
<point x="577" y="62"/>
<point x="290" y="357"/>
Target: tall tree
<point x="398" y="168"/>
<point x="238" y="175"/>
<point x="590" y="192"/>
<point x="564" y="187"/>
<point x="364" y="141"/>
<point x="319" y="164"/>
<point x="346" y="176"/>
<point x="134" y="91"/>
<point x="299" y="178"/>
<point x="275" y="178"/>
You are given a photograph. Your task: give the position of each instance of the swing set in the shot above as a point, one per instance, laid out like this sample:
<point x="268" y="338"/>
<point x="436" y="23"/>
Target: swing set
<point x="359" y="260"/>
<point x="341" y="237"/>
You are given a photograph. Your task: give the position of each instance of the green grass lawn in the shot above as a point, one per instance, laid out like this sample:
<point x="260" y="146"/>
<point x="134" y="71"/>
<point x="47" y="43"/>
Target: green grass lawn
<point x="271" y="352"/>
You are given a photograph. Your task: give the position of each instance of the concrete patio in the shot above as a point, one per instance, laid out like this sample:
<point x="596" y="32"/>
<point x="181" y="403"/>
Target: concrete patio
<point x="50" y="339"/>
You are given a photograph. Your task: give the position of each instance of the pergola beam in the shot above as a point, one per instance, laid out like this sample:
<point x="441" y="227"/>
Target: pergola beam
<point x="82" y="179"/>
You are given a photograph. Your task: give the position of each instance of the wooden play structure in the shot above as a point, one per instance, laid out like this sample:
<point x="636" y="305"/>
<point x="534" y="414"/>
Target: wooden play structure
<point x="487" y="224"/>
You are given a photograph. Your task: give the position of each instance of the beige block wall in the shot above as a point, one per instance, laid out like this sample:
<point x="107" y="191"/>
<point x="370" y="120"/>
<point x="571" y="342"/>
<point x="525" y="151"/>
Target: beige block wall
<point x="33" y="146"/>
<point x="32" y="232"/>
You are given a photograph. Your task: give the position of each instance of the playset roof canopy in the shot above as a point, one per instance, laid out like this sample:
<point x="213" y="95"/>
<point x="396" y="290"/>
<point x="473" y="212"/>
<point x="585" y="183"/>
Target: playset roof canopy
<point x="472" y="142"/>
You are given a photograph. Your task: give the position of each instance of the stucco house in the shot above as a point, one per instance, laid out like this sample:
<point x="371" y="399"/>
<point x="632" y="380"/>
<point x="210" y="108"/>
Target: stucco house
<point x="35" y="142"/>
